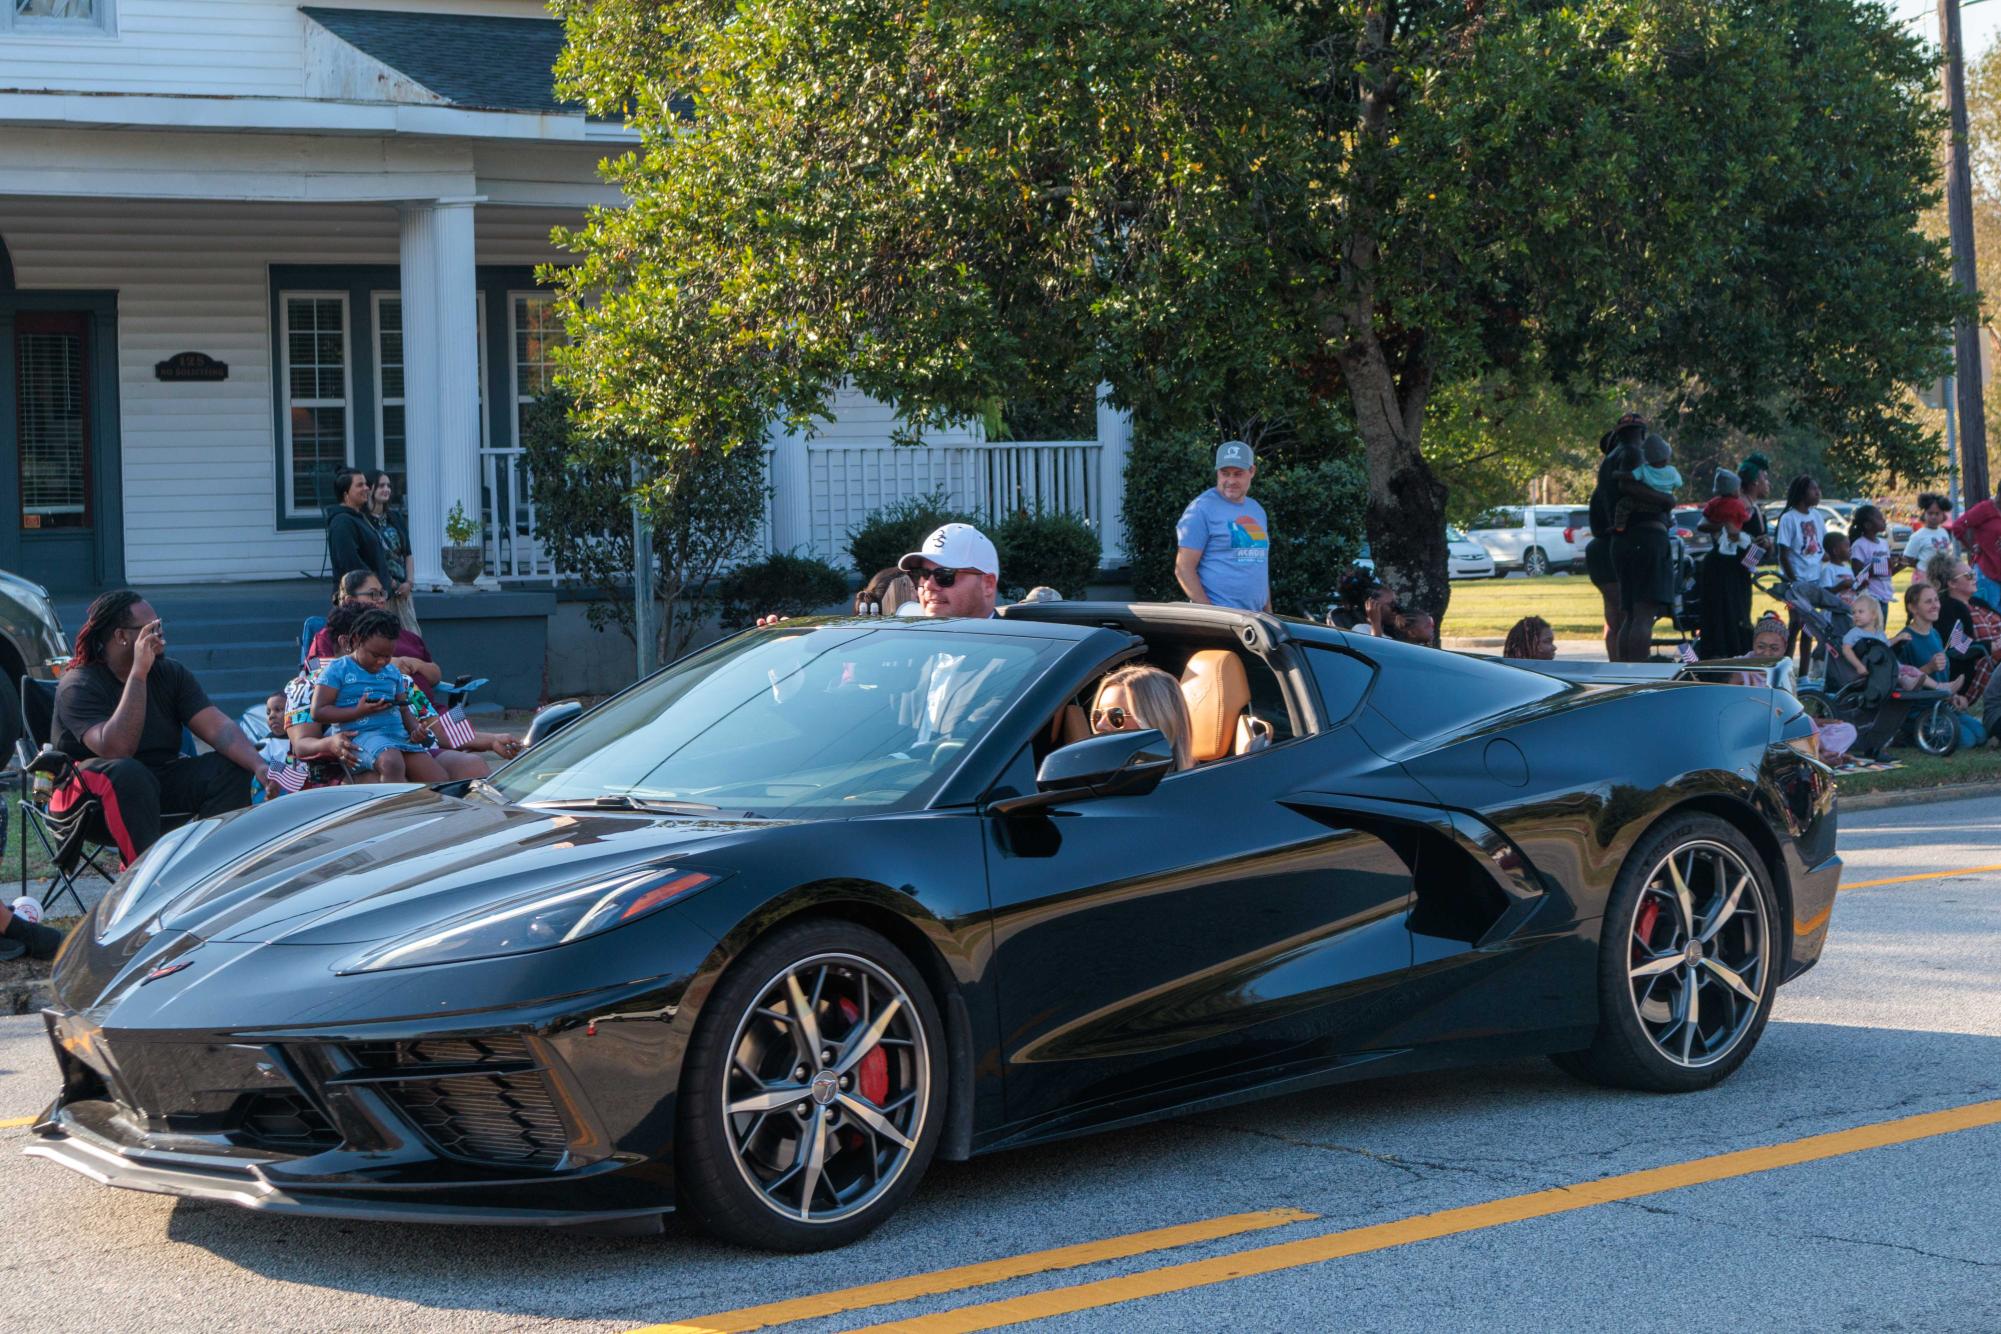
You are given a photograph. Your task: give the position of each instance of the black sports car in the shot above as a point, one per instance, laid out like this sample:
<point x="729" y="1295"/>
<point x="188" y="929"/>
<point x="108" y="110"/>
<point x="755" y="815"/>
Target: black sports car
<point x="764" y="934"/>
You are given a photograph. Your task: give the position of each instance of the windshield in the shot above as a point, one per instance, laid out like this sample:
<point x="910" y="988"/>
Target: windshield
<point x="1453" y="534"/>
<point x="846" y="718"/>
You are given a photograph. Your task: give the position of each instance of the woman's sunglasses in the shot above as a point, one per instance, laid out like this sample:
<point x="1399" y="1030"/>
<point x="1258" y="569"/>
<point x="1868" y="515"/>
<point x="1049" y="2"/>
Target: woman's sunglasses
<point x="1114" y="717"/>
<point x="942" y="577"/>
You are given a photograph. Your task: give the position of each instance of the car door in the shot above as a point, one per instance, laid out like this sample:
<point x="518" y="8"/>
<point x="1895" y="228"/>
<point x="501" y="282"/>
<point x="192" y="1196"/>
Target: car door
<point x="1552" y="534"/>
<point x="1206" y="932"/>
<point x="1501" y="532"/>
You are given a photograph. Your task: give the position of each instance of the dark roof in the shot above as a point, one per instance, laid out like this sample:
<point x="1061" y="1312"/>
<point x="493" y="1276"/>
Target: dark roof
<point x="497" y="64"/>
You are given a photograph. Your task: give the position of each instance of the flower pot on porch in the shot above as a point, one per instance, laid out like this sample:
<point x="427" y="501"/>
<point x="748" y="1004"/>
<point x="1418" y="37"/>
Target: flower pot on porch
<point x="462" y="565"/>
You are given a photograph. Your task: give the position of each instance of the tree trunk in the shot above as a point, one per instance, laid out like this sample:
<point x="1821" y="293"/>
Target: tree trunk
<point x="1406" y="509"/>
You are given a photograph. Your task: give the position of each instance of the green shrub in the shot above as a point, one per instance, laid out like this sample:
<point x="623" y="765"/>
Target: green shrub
<point x="786" y="584"/>
<point x="1315" y="508"/>
<point x="894" y="531"/>
<point x="1057" y="549"/>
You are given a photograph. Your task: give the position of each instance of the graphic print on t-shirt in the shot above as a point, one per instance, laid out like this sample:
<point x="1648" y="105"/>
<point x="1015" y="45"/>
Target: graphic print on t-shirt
<point x="1247" y="539"/>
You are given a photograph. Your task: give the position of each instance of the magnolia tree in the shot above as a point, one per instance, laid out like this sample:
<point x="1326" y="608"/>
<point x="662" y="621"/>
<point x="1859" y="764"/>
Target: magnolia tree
<point x="1277" y="204"/>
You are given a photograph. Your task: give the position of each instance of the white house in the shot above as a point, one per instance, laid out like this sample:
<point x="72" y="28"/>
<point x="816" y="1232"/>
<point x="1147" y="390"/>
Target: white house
<point x="244" y="242"/>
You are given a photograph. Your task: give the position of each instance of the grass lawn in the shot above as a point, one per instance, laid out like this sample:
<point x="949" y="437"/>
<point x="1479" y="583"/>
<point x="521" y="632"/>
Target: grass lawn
<point x="1922" y="771"/>
<point x="1486" y="608"/>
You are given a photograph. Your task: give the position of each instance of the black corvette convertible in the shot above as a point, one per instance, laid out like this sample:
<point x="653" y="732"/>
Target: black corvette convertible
<point x="763" y="935"/>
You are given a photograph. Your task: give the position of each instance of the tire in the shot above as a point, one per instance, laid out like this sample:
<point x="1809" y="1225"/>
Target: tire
<point x="748" y="1176"/>
<point x="1643" y="1041"/>
<point x="1816" y="706"/>
<point x="1535" y="562"/>
<point x="10" y="719"/>
<point x="1936" y="730"/>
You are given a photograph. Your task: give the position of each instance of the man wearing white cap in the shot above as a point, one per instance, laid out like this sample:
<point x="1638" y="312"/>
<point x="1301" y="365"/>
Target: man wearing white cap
<point x="956" y="570"/>
<point x="1225" y="548"/>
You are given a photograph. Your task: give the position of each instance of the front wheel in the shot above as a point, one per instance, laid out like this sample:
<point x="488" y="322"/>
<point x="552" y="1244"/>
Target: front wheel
<point x="1687" y="966"/>
<point x="1937" y="729"/>
<point x="1535" y="562"/>
<point x="811" y="1103"/>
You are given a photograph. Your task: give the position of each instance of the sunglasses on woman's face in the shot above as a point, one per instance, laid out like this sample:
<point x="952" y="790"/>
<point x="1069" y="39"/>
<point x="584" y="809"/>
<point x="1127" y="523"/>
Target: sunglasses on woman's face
<point x="940" y="576"/>
<point x="1113" y="718"/>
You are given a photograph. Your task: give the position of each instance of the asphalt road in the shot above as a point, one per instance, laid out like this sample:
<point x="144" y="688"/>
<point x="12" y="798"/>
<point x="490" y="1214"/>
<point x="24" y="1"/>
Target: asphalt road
<point x="1881" y="1222"/>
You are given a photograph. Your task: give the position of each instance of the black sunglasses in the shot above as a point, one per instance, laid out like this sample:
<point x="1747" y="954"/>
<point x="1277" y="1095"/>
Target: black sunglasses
<point x="941" y="576"/>
<point x="1116" y="716"/>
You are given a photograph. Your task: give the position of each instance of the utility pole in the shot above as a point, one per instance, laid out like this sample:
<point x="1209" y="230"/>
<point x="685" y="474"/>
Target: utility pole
<point x="1959" y="218"/>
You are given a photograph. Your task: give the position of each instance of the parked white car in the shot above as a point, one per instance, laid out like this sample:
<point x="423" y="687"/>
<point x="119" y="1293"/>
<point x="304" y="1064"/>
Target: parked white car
<point x="1465" y="558"/>
<point x="1535" y="539"/>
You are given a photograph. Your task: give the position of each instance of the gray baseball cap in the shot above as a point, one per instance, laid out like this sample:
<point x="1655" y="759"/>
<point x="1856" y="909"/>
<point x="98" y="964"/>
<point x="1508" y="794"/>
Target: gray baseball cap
<point x="1235" y="454"/>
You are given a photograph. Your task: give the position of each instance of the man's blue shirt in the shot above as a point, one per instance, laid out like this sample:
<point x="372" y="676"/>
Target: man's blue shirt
<point x="1235" y="569"/>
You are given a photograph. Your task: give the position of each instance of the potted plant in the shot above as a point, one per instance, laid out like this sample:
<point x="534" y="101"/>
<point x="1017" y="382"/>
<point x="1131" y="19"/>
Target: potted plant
<point x="463" y="561"/>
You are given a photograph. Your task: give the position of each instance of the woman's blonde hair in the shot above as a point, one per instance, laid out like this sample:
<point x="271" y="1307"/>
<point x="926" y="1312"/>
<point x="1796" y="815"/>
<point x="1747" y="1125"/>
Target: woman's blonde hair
<point x="1156" y="702"/>
<point x="1866" y="605"/>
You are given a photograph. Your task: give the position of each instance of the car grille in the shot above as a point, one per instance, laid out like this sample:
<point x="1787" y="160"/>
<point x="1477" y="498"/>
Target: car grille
<point x="287" y="1122"/>
<point x="505" y="1116"/>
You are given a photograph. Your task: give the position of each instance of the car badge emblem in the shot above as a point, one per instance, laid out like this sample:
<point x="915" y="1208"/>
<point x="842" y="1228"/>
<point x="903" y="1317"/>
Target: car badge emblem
<point x="826" y="1087"/>
<point x="166" y="970"/>
<point x="1693" y="954"/>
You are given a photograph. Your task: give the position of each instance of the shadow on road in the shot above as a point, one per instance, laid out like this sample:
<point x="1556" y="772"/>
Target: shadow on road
<point x="1353" y="1153"/>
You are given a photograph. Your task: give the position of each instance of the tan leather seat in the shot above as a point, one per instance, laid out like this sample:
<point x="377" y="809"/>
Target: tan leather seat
<point x="1217" y="692"/>
<point x="1070" y="725"/>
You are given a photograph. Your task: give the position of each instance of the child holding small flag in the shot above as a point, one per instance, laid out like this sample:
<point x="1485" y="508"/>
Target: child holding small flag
<point x="366" y="696"/>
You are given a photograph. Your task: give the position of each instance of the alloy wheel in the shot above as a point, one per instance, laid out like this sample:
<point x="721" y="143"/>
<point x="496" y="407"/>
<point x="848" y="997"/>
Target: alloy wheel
<point x="828" y="1088"/>
<point x="1535" y="563"/>
<point x="1697" y="965"/>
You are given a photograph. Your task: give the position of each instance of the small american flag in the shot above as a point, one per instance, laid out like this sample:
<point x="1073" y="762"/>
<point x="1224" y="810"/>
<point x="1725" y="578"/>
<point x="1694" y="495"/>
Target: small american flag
<point x="457" y="731"/>
<point x="1686" y="653"/>
<point x="1959" y="641"/>
<point x="1751" y="556"/>
<point x="288" y="779"/>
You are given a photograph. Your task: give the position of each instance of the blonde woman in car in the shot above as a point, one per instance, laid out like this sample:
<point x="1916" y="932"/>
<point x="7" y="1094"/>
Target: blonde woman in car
<point x="1135" y="698"/>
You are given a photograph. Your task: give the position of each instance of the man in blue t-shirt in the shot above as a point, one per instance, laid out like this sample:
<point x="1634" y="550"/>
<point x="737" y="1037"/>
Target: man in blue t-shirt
<point x="1225" y="548"/>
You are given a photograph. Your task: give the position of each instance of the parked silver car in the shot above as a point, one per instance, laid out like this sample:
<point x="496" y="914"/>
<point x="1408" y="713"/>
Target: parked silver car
<point x="31" y="644"/>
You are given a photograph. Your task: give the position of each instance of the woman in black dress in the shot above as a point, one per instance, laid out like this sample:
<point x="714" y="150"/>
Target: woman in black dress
<point x="394" y="530"/>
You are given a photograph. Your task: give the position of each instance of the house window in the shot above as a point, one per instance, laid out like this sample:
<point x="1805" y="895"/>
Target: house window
<point x="56" y="18"/>
<point x="318" y="433"/>
<point x="538" y="332"/>
<point x="52" y="402"/>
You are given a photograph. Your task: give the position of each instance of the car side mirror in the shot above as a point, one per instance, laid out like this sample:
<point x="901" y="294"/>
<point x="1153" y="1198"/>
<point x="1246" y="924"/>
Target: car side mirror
<point x="1117" y="764"/>
<point x="552" y="719"/>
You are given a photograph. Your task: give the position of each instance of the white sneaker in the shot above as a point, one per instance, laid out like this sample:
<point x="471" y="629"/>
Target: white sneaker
<point x="27" y="909"/>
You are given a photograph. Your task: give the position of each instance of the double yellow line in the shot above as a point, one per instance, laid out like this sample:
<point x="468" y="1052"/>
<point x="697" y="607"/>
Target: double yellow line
<point x="1302" y="1252"/>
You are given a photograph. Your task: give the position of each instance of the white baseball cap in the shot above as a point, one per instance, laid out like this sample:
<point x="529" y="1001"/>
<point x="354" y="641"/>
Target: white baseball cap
<point x="955" y="546"/>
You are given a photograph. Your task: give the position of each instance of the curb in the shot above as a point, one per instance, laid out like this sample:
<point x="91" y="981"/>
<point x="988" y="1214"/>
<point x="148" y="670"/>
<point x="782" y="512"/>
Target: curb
<point x="1872" y="801"/>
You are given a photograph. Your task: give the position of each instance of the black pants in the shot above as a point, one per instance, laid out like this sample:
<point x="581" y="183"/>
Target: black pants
<point x="1726" y="606"/>
<point x="133" y="799"/>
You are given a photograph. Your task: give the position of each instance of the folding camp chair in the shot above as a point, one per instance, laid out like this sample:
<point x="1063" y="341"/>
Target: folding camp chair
<point x="61" y="834"/>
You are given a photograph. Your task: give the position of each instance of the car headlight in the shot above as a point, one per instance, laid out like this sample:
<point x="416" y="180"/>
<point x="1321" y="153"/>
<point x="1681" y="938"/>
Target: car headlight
<point x="539" y="920"/>
<point x="143" y="876"/>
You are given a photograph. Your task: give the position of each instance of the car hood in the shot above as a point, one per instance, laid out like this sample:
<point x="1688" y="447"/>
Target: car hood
<point x="1467" y="549"/>
<point x="342" y="871"/>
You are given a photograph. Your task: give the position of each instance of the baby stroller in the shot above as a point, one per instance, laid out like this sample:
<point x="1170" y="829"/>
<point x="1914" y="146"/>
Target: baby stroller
<point x="1878" y="707"/>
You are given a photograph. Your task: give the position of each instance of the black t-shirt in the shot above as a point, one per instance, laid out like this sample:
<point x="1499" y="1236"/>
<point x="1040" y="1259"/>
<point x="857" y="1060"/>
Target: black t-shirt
<point x="1605" y="495"/>
<point x="87" y="696"/>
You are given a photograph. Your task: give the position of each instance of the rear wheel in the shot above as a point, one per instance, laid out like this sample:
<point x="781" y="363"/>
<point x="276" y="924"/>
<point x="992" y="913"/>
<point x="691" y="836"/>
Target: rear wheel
<point x="1687" y="961"/>
<point x="812" y="1099"/>
<point x="1535" y="562"/>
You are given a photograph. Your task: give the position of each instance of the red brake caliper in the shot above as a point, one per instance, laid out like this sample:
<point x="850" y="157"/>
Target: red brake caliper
<point x="872" y="1075"/>
<point x="1650" y="912"/>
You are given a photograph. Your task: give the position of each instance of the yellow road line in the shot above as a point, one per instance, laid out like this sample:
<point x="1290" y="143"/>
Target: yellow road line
<point x="15" y="1123"/>
<point x="1922" y="875"/>
<point x="1426" y="1227"/>
<point x="977" y="1275"/>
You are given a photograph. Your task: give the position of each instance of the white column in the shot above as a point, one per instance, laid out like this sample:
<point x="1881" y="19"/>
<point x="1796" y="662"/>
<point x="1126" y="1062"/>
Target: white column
<point x="1115" y="431"/>
<point x="440" y="376"/>
<point x="791" y="491"/>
